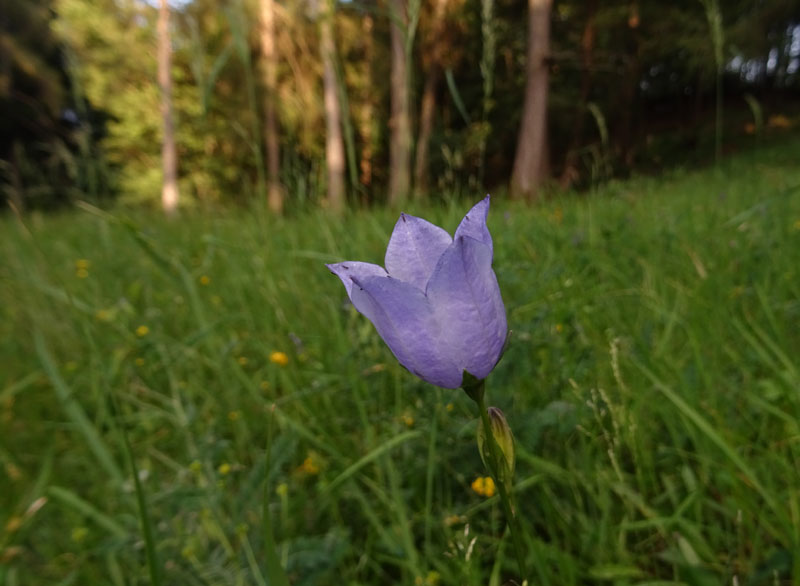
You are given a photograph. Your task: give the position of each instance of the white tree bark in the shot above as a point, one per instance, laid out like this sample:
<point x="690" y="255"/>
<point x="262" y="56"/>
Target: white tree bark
<point x="169" y="153"/>
<point x="530" y="162"/>
<point x="269" y="60"/>
<point x="334" y="141"/>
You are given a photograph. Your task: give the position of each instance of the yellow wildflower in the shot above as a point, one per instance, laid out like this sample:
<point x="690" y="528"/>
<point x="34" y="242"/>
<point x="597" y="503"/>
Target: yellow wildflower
<point x="559" y="328"/>
<point x="82" y="268"/>
<point x="484" y="486"/>
<point x="408" y="419"/>
<point x="779" y="121"/>
<point x="432" y="579"/>
<point x="13" y="524"/>
<point x="282" y="489"/>
<point x="102" y="315"/>
<point x="279" y="358"/>
<point x="13" y="471"/>
<point x="224" y="469"/>
<point x="205" y="280"/>
<point x="310" y="465"/>
<point x="196" y="466"/>
<point x="142" y="331"/>
<point x="242" y="360"/>
<point x="449" y="407"/>
<point x="451" y="520"/>
<point x="234" y="415"/>
<point x="139" y="361"/>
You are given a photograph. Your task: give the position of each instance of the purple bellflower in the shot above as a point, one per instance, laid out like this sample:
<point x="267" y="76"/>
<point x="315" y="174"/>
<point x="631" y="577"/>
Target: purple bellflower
<point x="437" y="304"/>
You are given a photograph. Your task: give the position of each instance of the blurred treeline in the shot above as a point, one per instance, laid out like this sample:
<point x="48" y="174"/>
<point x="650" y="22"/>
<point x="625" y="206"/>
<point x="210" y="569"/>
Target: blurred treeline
<point x="633" y="86"/>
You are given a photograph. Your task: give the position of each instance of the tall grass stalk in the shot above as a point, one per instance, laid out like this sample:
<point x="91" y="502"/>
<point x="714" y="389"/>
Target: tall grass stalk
<point x="488" y="49"/>
<point x="714" y="20"/>
<point x="273" y="568"/>
<point x="347" y="124"/>
<point x="146" y="522"/>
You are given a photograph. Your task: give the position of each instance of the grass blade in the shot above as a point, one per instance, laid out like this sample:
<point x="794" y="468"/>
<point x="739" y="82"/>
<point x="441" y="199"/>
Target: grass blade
<point x="72" y="500"/>
<point x="275" y="573"/>
<point x="75" y="412"/>
<point x="371" y="456"/>
<point x="141" y="502"/>
<point x="708" y="430"/>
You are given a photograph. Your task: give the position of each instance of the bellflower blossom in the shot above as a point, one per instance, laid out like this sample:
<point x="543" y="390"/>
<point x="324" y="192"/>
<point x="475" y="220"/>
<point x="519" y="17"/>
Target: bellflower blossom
<point x="437" y="304"/>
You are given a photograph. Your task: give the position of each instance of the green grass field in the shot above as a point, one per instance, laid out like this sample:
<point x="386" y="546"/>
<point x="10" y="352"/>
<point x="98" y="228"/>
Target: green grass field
<point x="652" y="382"/>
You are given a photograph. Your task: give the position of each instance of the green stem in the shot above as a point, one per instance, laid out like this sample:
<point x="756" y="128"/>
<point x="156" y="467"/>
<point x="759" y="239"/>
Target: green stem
<point x="496" y="457"/>
<point x="276" y="575"/>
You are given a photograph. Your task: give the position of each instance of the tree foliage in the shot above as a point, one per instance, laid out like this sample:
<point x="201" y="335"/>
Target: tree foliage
<point x="77" y="82"/>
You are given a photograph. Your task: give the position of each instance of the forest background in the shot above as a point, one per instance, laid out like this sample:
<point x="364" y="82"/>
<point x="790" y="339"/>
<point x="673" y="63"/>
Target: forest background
<point x="315" y="102"/>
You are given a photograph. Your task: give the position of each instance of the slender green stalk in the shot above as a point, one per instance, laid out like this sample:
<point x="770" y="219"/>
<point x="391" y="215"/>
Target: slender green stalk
<point x="506" y="497"/>
<point x="714" y="18"/>
<point x="489" y="42"/>
<point x="347" y="123"/>
<point x="429" y="474"/>
<point x="274" y="571"/>
<point x="141" y="499"/>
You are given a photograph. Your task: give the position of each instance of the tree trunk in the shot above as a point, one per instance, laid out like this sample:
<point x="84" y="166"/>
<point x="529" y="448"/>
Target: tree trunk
<point x="435" y="50"/>
<point x="169" y="154"/>
<point x="570" y="172"/>
<point x="399" y="123"/>
<point x="530" y="163"/>
<point x="269" y="61"/>
<point x="366" y="121"/>
<point x="427" y="110"/>
<point x="334" y="143"/>
<point x="630" y="89"/>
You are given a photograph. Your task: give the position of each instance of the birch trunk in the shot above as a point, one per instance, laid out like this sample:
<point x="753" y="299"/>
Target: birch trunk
<point x="269" y="61"/>
<point x="334" y="142"/>
<point x="169" y="154"/>
<point x="530" y="163"/>
<point x="399" y="123"/>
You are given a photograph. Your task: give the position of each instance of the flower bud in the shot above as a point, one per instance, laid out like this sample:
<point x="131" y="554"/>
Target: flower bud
<point x="504" y="469"/>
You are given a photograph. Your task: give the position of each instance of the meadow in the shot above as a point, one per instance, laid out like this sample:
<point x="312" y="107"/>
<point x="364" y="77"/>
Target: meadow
<point x="652" y="382"/>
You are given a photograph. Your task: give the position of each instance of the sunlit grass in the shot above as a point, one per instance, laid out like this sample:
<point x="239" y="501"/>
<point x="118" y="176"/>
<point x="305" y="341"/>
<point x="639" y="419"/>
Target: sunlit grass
<point x="652" y="384"/>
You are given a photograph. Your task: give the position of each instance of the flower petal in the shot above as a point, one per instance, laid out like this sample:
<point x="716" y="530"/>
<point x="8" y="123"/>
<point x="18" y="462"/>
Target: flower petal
<point x="466" y="302"/>
<point x="404" y="319"/>
<point x="414" y="249"/>
<point x="353" y="269"/>
<point x="474" y="224"/>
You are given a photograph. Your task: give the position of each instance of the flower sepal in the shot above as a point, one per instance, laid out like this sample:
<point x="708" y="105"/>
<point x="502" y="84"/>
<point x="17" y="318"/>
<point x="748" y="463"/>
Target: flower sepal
<point x="473" y="386"/>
